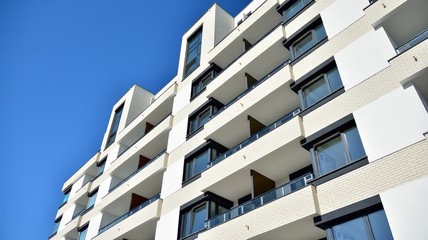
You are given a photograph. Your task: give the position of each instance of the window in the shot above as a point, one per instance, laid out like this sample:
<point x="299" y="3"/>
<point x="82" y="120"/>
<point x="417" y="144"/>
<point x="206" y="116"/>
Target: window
<point x="101" y="166"/>
<point x="293" y="7"/>
<point x="92" y="198"/>
<point x="202" y="115"/>
<point x="193" y="53"/>
<point x="57" y="223"/>
<point x="204" y="79"/>
<point x="82" y="232"/>
<point x="372" y="226"/>
<point x="308" y="40"/>
<point x="319" y="88"/>
<point x="66" y="195"/>
<point x="197" y="161"/>
<point x="194" y="215"/>
<point x="114" y="126"/>
<point x="339" y="150"/>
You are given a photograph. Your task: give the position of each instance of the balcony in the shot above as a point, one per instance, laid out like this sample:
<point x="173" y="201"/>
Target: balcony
<point x="162" y="160"/>
<point x="266" y="55"/>
<point x="259" y="201"/>
<point x="160" y="106"/>
<point x="407" y="24"/>
<point x="260" y="22"/>
<point x="413" y="42"/>
<point x="289" y="215"/>
<point x="138" y="223"/>
<point x="254" y="137"/>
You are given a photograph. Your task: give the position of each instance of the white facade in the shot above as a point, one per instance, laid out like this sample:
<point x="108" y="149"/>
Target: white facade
<point x="287" y="121"/>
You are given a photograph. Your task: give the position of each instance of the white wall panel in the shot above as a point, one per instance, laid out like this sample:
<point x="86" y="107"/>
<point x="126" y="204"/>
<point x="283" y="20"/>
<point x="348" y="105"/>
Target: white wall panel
<point x="364" y="57"/>
<point x="177" y="135"/>
<point x="406" y="209"/>
<point x="172" y="178"/>
<point x="342" y="13"/>
<point x="167" y="226"/>
<point x="392" y="122"/>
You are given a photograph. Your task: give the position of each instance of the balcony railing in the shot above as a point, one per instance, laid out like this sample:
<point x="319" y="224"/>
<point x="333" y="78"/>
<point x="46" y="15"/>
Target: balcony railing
<point x="413" y="42"/>
<point x="138" y="170"/>
<point x="259" y="201"/>
<point x="254" y="137"/>
<point x="128" y="214"/>
<point x="251" y="88"/>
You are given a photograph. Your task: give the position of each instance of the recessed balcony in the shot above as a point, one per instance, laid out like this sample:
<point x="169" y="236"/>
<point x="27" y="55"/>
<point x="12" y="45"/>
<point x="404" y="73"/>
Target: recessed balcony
<point x="246" y="34"/>
<point x="407" y="25"/>
<point x="254" y="65"/>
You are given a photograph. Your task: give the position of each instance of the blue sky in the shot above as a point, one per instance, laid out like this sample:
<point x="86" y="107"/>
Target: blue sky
<point x="63" y="64"/>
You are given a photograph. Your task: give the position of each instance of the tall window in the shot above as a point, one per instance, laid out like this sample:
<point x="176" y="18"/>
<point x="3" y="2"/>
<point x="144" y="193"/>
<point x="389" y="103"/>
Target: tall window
<point x="114" y="125"/>
<point x="197" y="162"/>
<point x="308" y="40"/>
<point x="92" y="198"/>
<point x="339" y="150"/>
<point x="193" y="53"/>
<point x="57" y="223"/>
<point x="101" y="166"/>
<point x="295" y="7"/>
<point x="66" y="195"/>
<point x="320" y="87"/>
<point x="82" y="233"/>
<point x="372" y="226"/>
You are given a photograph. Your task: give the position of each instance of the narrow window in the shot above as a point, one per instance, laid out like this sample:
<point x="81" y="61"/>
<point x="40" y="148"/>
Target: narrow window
<point x="200" y="83"/>
<point x="193" y="53"/>
<point x="308" y="40"/>
<point x="92" y="198"/>
<point x="57" y="223"/>
<point x="339" y="150"/>
<point x="66" y="196"/>
<point x="114" y="126"/>
<point x="82" y="233"/>
<point x="101" y="166"/>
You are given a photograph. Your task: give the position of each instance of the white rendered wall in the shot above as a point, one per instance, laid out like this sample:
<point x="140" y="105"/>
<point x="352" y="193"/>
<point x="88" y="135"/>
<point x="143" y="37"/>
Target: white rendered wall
<point x="107" y="218"/>
<point x="172" y="178"/>
<point x="364" y="57"/>
<point x="93" y="227"/>
<point x="66" y="217"/>
<point x="79" y="184"/>
<point x="167" y="226"/>
<point x="181" y="99"/>
<point x="342" y="13"/>
<point x="103" y="189"/>
<point x="112" y="155"/>
<point x="406" y="209"/>
<point x="139" y="101"/>
<point x="392" y="122"/>
<point x="177" y="135"/>
<point x="224" y="23"/>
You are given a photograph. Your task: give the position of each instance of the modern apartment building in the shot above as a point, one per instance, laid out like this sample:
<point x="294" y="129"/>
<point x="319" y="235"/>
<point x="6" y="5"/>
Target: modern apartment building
<point x="295" y="119"/>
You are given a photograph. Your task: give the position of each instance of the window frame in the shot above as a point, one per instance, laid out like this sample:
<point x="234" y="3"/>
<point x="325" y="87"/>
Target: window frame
<point x="111" y="137"/>
<point x="192" y="64"/>
<point x="212" y="106"/>
<point x="368" y="226"/>
<point x="347" y="152"/>
<point x="57" y="223"/>
<point x="314" y="40"/>
<point x="326" y="82"/>
<point x="84" y="229"/>
<point x="100" y="165"/>
<point x="92" y="195"/>
<point x="211" y="147"/>
<point x="207" y="199"/>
